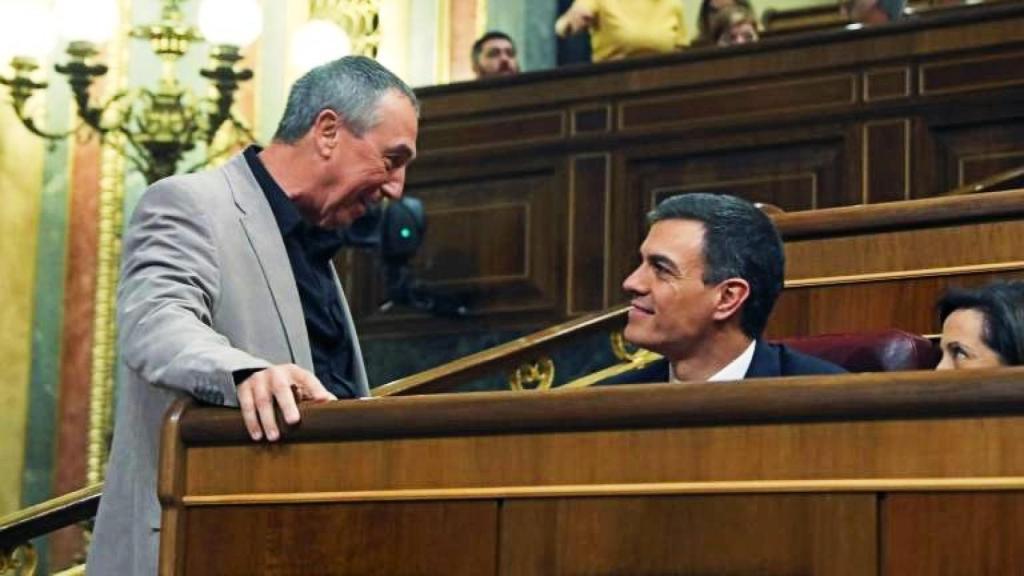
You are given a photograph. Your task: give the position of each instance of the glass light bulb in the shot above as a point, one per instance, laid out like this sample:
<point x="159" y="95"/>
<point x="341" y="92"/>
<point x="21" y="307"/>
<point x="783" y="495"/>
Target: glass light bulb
<point x="26" y="29"/>
<point x="232" y="22"/>
<point x="90" y="20"/>
<point x="318" y="42"/>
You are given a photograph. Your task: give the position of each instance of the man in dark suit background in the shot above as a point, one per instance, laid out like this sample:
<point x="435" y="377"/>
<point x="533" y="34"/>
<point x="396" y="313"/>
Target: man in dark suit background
<point x="712" y="267"/>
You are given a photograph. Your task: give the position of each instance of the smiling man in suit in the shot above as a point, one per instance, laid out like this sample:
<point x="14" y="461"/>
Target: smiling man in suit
<point x="711" y="269"/>
<point x="227" y="291"/>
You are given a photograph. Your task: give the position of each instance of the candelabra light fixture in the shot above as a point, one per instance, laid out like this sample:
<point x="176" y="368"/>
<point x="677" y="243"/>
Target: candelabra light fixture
<point x="154" y="128"/>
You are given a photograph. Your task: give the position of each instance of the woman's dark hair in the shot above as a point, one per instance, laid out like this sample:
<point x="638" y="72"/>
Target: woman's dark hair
<point x="1002" y="306"/>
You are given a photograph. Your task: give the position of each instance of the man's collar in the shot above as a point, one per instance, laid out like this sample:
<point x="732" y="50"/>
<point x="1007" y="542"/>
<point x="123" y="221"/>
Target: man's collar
<point x="735" y="370"/>
<point x="286" y="214"/>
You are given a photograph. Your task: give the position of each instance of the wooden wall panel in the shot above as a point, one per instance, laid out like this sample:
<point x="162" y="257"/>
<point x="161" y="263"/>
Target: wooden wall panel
<point x="900" y="252"/>
<point x="792" y="177"/>
<point x="970" y="533"/>
<point x="835" y="118"/>
<point x="716" y="105"/>
<point x="497" y="240"/>
<point x="824" y="535"/>
<point x="886" y="161"/>
<point x="589" y="240"/>
<point x="525" y="129"/>
<point x="906" y="304"/>
<point x="484" y="465"/>
<point x="972" y="74"/>
<point x="361" y="539"/>
<point x="966" y="154"/>
<point x="887" y="84"/>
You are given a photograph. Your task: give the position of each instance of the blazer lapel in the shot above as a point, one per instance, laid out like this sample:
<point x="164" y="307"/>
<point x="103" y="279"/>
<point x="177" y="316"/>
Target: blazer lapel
<point x="265" y="238"/>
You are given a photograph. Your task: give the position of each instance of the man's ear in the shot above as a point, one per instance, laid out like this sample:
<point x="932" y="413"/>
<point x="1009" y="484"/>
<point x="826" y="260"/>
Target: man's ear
<point x="326" y="130"/>
<point x="732" y="293"/>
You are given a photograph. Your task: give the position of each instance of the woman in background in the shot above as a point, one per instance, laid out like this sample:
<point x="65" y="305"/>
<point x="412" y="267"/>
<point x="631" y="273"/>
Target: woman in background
<point x="983" y="327"/>
<point x="708" y="10"/>
<point x="734" y="25"/>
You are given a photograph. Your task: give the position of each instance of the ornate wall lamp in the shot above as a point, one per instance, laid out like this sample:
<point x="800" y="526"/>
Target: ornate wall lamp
<point x="155" y="127"/>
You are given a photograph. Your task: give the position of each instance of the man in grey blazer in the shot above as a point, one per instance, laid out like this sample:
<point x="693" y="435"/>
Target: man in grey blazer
<point x="227" y="291"/>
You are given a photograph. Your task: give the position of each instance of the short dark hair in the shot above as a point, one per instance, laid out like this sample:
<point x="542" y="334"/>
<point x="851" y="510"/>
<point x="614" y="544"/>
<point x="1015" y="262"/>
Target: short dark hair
<point x="740" y="241"/>
<point x="1002" y="306"/>
<point x="478" y="46"/>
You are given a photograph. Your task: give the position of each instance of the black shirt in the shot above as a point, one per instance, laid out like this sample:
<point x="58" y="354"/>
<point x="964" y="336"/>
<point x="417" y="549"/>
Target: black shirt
<point x="310" y="249"/>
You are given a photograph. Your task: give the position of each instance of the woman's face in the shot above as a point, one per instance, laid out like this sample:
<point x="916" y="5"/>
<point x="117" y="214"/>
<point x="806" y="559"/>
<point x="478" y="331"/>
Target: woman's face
<point x="963" y="344"/>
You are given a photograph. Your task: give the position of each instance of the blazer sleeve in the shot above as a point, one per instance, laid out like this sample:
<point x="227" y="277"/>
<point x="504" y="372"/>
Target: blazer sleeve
<point x="167" y="294"/>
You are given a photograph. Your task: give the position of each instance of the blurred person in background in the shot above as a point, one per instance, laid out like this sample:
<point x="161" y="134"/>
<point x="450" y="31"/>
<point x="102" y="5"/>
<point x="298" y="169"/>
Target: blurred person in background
<point x="734" y="25"/>
<point x="494" y="54"/>
<point x="708" y="10"/>
<point x="626" y="28"/>
<point x="870" y="12"/>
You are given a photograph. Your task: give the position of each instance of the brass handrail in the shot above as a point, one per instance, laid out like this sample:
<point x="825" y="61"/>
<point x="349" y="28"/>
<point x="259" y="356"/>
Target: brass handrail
<point x="1013" y="178"/>
<point x="502" y="357"/>
<point x="45" y="517"/>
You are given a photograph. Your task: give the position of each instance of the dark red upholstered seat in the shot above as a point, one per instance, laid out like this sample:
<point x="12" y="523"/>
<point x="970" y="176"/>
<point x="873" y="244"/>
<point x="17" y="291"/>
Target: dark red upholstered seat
<point x="886" y="351"/>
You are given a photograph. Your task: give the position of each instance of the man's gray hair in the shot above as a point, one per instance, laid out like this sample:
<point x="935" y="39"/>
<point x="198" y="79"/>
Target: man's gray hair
<point x="351" y="86"/>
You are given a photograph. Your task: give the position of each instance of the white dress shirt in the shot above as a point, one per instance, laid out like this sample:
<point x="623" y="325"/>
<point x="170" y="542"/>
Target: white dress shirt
<point x="735" y="370"/>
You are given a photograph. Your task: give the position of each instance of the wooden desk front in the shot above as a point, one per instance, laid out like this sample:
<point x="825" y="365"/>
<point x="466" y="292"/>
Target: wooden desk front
<point x="915" y="473"/>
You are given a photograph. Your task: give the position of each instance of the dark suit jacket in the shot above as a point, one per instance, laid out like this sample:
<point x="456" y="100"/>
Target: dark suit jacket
<point x="770" y="360"/>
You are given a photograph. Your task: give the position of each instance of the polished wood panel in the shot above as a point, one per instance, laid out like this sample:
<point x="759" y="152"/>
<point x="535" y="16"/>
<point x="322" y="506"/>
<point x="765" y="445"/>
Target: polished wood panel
<point x="591" y="120"/>
<point x="516" y="130"/>
<point x="887" y="84"/>
<point x="589" y="240"/>
<point x="783" y="98"/>
<point x="464" y="250"/>
<point x="871" y="305"/>
<point x="772" y="534"/>
<point x="970" y="74"/>
<point x="343" y="539"/>
<point x="970" y="533"/>
<point x="904" y="251"/>
<point x="816" y="475"/>
<point x="887" y="161"/>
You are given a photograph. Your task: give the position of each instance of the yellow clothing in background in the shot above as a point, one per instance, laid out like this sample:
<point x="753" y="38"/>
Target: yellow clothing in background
<point x="625" y="28"/>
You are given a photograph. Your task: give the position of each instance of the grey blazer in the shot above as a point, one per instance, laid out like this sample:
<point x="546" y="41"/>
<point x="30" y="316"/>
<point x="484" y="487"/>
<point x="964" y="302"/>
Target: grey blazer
<point x="206" y="289"/>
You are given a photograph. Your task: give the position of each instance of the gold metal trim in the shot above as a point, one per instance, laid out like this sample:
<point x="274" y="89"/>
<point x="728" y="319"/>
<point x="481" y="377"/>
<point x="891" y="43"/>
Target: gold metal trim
<point x="358" y="18"/>
<point x="920" y="273"/>
<point x="968" y="87"/>
<point x="632" y="359"/>
<point x="624" y="106"/>
<point x="104" y="329"/>
<point x="21" y="561"/>
<point x="537" y="375"/>
<point x="633" y="489"/>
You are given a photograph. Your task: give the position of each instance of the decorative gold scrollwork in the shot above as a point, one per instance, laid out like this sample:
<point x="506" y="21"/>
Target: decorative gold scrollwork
<point x="625" y="351"/>
<point x="537" y="375"/>
<point x="20" y="561"/>
<point x="360" y="19"/>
